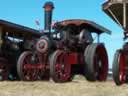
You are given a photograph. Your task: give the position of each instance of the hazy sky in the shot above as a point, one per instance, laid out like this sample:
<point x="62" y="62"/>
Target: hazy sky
<point x="25" y="12"/>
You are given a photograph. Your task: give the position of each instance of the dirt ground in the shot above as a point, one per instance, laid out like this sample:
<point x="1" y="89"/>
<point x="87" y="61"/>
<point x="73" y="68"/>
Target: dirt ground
<point x="78" y="87"/>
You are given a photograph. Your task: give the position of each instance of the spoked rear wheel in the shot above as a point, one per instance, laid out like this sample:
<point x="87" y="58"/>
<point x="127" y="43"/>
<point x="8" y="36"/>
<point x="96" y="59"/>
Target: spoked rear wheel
<point x="119" y="75"/>
<point x="60" y="70"/>
<point x="26" y="70"/>
<point x="96" y="62"/>
<point x="4" y="69"/>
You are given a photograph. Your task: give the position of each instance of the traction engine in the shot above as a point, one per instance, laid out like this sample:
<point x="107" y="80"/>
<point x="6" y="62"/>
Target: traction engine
<point x="68" y="50"/>
<point x="118" y="11"/>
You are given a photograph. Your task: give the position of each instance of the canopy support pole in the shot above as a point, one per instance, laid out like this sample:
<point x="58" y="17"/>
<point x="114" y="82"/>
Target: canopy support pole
<point x="98" y="38"/>
<point x="124" y="15"/>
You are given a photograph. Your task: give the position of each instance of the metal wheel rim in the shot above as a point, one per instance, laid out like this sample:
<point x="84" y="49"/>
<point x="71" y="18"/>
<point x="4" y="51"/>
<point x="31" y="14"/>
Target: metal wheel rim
<point x="22" y="67"/>
<point x="92" y="53"/>
<point x="60" y="71"/>
<point x="102" y="63"/>
<point x="118" y="67"/>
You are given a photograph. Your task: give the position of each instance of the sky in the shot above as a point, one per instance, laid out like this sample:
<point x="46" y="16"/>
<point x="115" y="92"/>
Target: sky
<point x="26" y="12"/>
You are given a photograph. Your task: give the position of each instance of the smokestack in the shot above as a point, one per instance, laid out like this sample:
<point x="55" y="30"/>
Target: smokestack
<point x="48" y="8"/>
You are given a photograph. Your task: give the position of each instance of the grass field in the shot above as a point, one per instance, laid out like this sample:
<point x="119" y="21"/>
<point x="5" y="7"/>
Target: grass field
<point x="78" y="87"/>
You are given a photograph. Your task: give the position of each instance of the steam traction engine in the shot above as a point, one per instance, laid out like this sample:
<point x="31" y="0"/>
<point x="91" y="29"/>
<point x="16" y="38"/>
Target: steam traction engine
<point x="118" y="11"/>
<point x="14" y="39"/>
<point x="67" y="51"/>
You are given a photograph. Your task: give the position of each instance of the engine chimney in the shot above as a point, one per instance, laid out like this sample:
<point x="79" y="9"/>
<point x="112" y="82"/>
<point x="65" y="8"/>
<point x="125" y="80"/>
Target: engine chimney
<point x="48" y="8"/>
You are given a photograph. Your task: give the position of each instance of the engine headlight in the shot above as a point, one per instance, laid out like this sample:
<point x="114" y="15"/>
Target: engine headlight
<point x="58" y="36"/>
<point x="54" y="36"/>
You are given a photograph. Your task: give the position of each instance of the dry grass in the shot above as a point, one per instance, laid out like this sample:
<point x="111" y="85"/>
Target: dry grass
<point x="78" y="87"/>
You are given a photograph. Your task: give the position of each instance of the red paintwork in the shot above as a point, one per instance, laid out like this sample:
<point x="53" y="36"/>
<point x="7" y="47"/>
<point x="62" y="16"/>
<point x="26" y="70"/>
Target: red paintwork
<point x="28" y="71"/>
<point x="104" y="67"/>
<point x="73" y="58"/>
<point x="122" y="75"/>
<point x="89" y="25"/>
<point x="61" y="67"/>
<point x="76" y="22"/>
<point x="32" y="66"/>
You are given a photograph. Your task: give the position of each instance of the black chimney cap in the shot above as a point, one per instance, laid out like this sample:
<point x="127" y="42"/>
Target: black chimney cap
<point x="48" y="3"/>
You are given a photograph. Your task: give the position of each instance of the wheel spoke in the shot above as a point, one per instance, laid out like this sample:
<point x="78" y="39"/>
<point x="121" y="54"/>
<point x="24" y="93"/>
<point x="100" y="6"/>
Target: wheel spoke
<point x="60" y="70"/>
<point x="28" y="71"/>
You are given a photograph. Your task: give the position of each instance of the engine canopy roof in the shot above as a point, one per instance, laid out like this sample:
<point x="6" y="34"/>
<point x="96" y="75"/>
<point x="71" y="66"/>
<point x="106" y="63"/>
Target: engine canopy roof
<point x="117" y="11"/>
<point x="89" y="25"/>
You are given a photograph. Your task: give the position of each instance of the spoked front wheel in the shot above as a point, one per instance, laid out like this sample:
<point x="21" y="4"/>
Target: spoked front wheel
<point x="60" y="70"/>
<point x="27" y="70"/>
